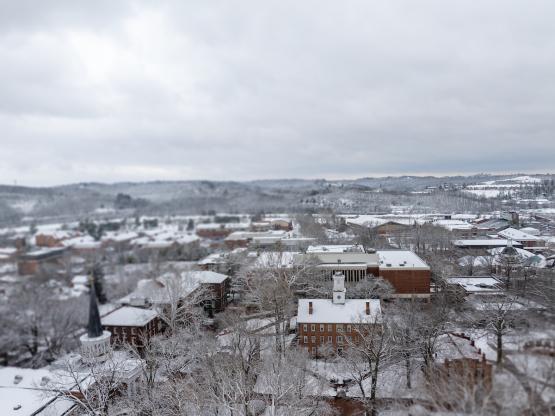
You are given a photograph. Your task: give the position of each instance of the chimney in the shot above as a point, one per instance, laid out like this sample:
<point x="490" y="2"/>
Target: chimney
<point x="310" y="308"/>
<point x="367" y="308"/>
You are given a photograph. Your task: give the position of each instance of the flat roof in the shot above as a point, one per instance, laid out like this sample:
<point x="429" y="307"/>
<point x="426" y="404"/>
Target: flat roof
<point x="336" y="248"/>
<point x="519" y="235"/>
<point x="352" y="311"/>
<point x="348" y="257"/>
<point x="400" y="259"/>
<point x="487" y="242"/>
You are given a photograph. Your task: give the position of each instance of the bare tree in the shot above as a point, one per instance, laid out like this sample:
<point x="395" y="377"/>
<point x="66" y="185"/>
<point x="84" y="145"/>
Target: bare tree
<point x="45" y="325"/>
<point x="291" y="387"/>
<point x="496" y="315"/>
<point x="93" y="387"/>
<point x="373" y="344"/>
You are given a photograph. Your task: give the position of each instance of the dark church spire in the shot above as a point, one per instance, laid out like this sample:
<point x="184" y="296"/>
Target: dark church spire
<point x="94" y="328"/>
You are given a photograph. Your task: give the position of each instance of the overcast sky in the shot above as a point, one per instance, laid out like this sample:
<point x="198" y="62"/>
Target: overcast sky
<point x="111" y="90"/>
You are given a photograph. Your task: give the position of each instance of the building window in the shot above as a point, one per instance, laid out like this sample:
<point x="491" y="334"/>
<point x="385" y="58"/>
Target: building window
<point x="313" y="350"/>
<point x="339" y="327"/>
<point x="313" y="339"/>
<point x="313" y="328"/>
<point x="322" y="327"/>
<point x="330" y="327"/>
<point x="348" y="328"/>
<point x="322" y="340"/>
<point x="305" y="327"/>
<point x="330" y="339"/>
<point x="305" y="339"/>
<point x="339" y="339"/>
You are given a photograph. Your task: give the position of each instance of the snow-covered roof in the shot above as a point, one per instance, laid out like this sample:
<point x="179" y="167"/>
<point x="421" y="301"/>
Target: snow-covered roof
<point x="400" y="259"/>
<point x="80" y="280"/>
<point x="84" y="242"/>
<point x="57" y="234"/>
<point x="7" y="252"/>
<point x="517" y="235"/>
<point x="336" y="248"/>
<point x="247" y="235"/>
<point x="129" y="316"/>
<point x="273" y="259"/>
<point x="375" y="221"/>
<point x="476" y="284"/>
<point x="453" y="224"/>
<point x="157" y="292"/>
<point x="211" y="226"/>
<point x="117" y="236"/>
<point x="208" y="277"/>
<point x="455" y="347"/>
<point x="530" y="230"/>
<point x="352" y="311"/>
<point x="23" y="392"/>
<point x="214" y="258"/>
<point x="484" y="242"/>
<point x="370" y="259"/>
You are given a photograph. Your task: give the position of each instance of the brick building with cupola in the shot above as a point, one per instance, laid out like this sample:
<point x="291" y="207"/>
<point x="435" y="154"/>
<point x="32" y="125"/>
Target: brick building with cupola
<point x="337" y="322"/>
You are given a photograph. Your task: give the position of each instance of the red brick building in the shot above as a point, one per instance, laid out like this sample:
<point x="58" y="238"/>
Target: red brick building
<point x="133" y="326"/>
<point x="46" y="260"/>
<point x="458" y="359"/>
<point x="409" y="275"/>
<point x="335" y="322"/>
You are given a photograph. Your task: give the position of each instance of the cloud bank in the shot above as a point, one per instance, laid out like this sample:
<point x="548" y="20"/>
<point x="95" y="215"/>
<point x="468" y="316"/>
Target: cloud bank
<point x="116" y="91"/>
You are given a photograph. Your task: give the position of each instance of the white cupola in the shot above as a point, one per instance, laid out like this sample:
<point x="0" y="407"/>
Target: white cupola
<point x="338" y="288"/>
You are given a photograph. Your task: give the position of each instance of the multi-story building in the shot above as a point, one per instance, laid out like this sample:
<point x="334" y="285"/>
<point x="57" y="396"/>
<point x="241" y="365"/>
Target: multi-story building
<point x="45" y="260"/>
<point x="460" y="361"/>
<point x="206" y="289"/>
<point x="409" y="275"/>
<point x="133" y="326"/>
<point x="335" y="323"/>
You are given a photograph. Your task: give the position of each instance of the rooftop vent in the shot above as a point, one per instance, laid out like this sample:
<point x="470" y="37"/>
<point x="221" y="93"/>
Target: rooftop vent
<point x="44" y="381"/>
<point x="17" y="379"/>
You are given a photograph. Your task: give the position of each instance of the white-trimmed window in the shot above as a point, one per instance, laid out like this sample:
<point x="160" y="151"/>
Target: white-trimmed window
<point x="313" y="339"/>
<point x="313" y="328"/>
<point x="322" y="327"/>
<point x="349" y="328"/>
<point x="330" y="327"/>
<point x="339" y="327"/>
<point x="305" y="327"/>
<point x="305" y="339"/>
<point x="339" y="339"/>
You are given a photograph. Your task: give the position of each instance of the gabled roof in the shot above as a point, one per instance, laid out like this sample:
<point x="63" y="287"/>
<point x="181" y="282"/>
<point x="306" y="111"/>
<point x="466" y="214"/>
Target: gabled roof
<point x="325" y="311"/>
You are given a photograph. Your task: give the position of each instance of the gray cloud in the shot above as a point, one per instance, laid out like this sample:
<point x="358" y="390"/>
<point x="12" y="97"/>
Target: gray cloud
<point x="219" y="90"/>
